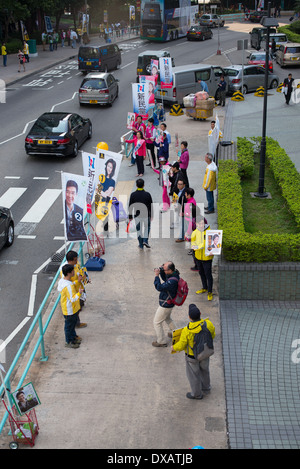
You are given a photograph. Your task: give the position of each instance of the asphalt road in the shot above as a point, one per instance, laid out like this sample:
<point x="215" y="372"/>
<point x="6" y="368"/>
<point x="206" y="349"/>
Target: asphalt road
<point x="23" y="283"/>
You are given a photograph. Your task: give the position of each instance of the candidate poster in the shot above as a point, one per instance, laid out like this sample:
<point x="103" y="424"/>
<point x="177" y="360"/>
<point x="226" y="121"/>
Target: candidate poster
<point x="140" y="99"/>
<point x="74" y="189"/>
<point x="165" y="70"/>
<point x="25" y="398"/>
<point x="130" y="120"/>
<point x="151" y="81"/>
<point x="213" y="244"/>
<point x="154" y="70"/>
<point x="108" y="166"/>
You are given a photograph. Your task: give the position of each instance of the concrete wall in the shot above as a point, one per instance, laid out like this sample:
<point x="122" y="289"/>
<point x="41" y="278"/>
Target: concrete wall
<point x="254" y="281"/>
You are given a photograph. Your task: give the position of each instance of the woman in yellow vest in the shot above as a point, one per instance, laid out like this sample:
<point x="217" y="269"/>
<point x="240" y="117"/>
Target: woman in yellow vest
<point x="202" y="261"/>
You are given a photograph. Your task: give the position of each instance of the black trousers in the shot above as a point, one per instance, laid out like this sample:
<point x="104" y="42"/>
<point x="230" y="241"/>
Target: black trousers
<point x="150" y="146"/>
<point x="205" y="272"/>
<point x="140" y="164"/>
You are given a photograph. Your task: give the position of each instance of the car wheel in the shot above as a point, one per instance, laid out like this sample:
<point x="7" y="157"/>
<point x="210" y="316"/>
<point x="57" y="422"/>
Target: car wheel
<point x="203" y="38"/>
<point x="10" y="235"/>
<point x="118" y="65"/>
<point x="75" y="149"/>
<point x="274" y="84"/>
<point x="148" y="68"/>
<point x="90" y="132"/>
<point x="244" y="89"/>
<point x="117" y="93"/>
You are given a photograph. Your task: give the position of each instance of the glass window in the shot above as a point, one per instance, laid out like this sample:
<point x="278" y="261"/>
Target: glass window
<point x="202" y="75"/>
<point x="93" y="83"/>
<point x="292" y="50"/>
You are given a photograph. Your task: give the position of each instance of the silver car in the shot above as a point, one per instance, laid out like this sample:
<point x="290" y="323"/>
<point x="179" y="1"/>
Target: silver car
<point x="98" y="88"/>
<point x="211" y="21"/>
<point x="254" y="77"/>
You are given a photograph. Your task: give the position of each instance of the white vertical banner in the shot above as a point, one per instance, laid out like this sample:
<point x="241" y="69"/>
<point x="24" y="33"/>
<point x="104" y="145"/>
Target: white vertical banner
<point x="166" y="74"/>
<point x="74" y="190"/>
<point x="140" y="99"/>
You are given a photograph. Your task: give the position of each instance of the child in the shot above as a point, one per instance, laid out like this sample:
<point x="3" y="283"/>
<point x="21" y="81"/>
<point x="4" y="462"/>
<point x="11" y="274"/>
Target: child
<point x="70" y="305"/>
<point x="79" y="279"/>
<point x="21" y="58"/>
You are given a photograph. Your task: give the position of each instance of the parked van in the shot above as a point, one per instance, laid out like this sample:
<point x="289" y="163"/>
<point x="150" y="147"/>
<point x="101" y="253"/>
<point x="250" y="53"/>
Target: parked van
<point x="288" y="54"/>
<point x="186" y="80"/>
<point x="99" y="58"/>
<point x="257" y="35"/>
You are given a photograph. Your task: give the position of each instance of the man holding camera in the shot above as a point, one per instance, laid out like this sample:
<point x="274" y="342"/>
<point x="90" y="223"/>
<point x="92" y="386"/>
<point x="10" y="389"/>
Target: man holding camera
<point x="167" y="291"/>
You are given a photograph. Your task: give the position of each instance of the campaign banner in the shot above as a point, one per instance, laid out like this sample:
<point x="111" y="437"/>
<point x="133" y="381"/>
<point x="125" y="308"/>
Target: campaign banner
<point x="151" y="81"/>
<point x="74" y="189"/>
<point x="140" y="99"/>
<point x="130" y="120"/>
<point x="108" y="166"/>
<point x="154" y="70"/>
<point x="89" y="171"/>
<point x="165" y="70"/>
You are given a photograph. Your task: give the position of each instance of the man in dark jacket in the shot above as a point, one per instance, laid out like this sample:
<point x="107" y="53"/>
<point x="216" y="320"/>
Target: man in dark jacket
<point x="177" y="174"/>
<point x="167" y="291"/>
<point x="140" y="209"/>
<point x="288" y="88"/>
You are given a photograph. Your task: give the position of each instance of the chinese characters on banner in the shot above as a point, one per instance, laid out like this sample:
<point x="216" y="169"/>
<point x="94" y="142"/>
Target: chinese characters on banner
<point x="165" y="70"/>
<point x="140" y="99"/>
<point x="151" y="82"/>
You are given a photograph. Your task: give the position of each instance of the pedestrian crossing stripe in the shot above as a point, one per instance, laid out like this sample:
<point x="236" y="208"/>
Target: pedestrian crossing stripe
<point x="176" y="110"/>
<point x="237" y="96"/>
<point x="41" y="206"/>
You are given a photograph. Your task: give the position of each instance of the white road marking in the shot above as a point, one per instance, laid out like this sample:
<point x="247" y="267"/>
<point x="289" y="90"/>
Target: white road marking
<point x="12" y="177"/>
<point x="41" y="178"/>
<point x="41" y="206"/>
<point x="11" y="196"/>
<point x="124" y="66"/>
<point x="26" y="236"/>
<point x="13" y="334"/>
<point x="32" y="295"/>
<point x="62" y="102"/>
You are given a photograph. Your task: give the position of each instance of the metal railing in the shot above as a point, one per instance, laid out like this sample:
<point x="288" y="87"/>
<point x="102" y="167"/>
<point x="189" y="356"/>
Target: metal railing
<point x="40" y="342"/>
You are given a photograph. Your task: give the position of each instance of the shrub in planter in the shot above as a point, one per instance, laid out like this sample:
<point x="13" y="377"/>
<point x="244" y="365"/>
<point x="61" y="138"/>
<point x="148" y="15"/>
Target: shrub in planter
<point x="245" y="157"/>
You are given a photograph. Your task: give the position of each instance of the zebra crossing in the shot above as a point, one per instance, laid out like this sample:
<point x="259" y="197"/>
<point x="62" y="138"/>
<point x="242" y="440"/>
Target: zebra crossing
<point x="26" y="227"/>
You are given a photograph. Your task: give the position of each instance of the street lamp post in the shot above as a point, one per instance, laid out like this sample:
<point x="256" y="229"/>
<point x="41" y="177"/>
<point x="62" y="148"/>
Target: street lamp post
<point x="267" y="22"/>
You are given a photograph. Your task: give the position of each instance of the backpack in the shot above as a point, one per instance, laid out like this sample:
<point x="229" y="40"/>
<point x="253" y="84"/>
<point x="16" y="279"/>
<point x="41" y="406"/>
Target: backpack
<point x="203" y="344"/>
<point x="181" y="294"/>
<point x="118" y="210"/>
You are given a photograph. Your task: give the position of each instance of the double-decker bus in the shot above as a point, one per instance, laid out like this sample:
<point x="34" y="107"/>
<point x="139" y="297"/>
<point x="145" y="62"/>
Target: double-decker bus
<point x="164" y="20"/>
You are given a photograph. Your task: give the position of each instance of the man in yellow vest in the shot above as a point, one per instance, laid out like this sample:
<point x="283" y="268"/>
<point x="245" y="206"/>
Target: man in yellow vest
<point x="210" y="182"/>
<point x="70" y="305"/>
<point x="203" y="262"/>
<point x="4" y="54"/>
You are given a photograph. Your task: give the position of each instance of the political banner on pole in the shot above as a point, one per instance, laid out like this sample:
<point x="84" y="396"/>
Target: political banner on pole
<point x="165" y="70"/>
<point x="89" y="171"/>
<point x="151" y="81"/>
<point x="108" y="166"/>
<point x="140" y="99"/>
<point x="74" y="189"/>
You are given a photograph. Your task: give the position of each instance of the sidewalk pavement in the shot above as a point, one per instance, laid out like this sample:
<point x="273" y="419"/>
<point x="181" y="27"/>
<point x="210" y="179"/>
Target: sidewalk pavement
<point x="118" y="392"/>
<point x="46" y="59"/>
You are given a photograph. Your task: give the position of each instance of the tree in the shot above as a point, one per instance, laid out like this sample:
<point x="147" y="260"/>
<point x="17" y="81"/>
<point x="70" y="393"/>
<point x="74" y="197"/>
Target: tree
<point x="12" y="11"/>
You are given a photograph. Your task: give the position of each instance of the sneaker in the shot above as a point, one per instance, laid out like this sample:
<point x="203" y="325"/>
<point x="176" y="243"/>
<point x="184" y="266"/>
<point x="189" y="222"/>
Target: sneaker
<point x="194" y="269"/>
<point x="130" y="165"/>
<point x="71" y="345"/>
<point x="203" y="290"/>
<point x="78" y="340"/>
<point x="209" y="296"/>
<point x="156" y="344"/>
<point x="190" y="396"/>
<point x="147" y="245"/>
<point x="179" y="240"/>
<point x="81" y="325"/>
<point x="207" y="212"/>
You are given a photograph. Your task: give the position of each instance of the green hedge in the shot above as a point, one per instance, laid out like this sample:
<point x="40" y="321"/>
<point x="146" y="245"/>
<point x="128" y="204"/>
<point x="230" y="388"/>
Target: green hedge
<point x="245" y="157"/>
<point x="240" y="246"/>
<point x="291" y="35"/>
<point x="13" y="46"/>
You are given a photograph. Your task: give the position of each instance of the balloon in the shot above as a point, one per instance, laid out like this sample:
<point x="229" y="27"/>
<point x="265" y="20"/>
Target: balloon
<point x="102" y="146"/>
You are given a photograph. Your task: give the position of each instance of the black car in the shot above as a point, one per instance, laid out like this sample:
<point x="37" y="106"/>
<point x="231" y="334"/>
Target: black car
<point x="199" y="33"/>
<point x="58" y="133"/>
<point x="7" y="227"/>
<point x="256" y="16"/>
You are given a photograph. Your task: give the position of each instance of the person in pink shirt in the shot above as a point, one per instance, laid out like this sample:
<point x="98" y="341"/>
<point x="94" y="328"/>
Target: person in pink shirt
<point x="150" y="134"/>
<point x="139" y="125"/>
<point x="184" y="159"/>
<point x="190" y="210"/>
<point x="139" y="151"/>
<point x="163" y="173"/>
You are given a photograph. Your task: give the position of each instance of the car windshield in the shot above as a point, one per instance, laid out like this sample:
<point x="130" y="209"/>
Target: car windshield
<point x="205" y="17"/>
<point x="50" y="125"/>
<point x="280" y="38"/>
<point x="258" y="57"/>
<point x="89" y="53"/>
<point x="94" y="83"/>
<point x="293" y="50"/>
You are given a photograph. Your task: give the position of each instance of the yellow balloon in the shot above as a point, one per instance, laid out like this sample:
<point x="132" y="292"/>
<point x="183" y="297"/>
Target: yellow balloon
<point x="102" y="146"/>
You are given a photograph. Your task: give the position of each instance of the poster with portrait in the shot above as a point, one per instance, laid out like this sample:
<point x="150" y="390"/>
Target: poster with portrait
<point x="154" y="70"/>
<point x="25" y="398"/>
<point x="213" y="244"/>
<point x="74" y="189"/>
<point x="140" y="99"/>
<point x="108" y="166"/>
<point x="166" y="74"/>
<point x="151" y="81"/>
<point x="130" y="120"/>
